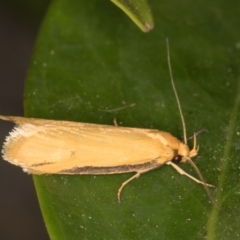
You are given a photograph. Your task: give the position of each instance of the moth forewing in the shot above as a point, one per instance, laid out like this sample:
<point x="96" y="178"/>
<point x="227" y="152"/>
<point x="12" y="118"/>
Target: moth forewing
<point x="81" y="148"/>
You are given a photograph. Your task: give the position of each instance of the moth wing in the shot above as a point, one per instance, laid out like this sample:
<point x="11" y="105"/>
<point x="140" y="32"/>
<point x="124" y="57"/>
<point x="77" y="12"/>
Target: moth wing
<point x="46" y="146"/>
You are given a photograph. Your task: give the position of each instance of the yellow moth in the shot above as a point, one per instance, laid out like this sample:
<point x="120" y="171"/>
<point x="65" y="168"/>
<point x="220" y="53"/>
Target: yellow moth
<point x="63" y="147"/>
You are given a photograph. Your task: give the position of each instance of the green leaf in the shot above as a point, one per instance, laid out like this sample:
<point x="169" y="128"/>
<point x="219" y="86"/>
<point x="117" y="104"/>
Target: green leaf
<point x="139" y="11"/>
<point x="90" y="57"/>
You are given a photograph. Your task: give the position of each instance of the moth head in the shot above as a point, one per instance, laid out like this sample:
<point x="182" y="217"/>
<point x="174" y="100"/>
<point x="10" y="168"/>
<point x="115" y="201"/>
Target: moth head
<point x="183" y="154"/>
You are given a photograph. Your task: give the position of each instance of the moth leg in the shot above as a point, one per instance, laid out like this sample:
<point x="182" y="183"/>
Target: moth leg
<point x="182" y="172"/>
<point x="198" y="132"/>
<point x="127" y="181"/>
<point x="115" y="122"/>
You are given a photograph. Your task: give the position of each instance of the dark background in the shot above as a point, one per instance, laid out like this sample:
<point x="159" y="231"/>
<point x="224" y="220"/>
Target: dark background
<point x="19" y="23"/>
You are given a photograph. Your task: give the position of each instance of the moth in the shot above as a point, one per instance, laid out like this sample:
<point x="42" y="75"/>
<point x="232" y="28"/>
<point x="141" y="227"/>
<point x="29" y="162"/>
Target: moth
<point x="42" y="146"/>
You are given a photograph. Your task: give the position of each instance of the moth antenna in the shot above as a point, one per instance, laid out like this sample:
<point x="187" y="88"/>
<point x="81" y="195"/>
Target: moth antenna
<point x="175" y="93"/>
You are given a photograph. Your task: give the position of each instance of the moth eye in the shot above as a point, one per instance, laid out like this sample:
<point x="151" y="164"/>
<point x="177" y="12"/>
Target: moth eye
<point x="177" y="159"/>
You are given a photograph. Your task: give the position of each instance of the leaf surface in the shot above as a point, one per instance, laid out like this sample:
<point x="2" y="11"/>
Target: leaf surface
<point x="90" y="57"/>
